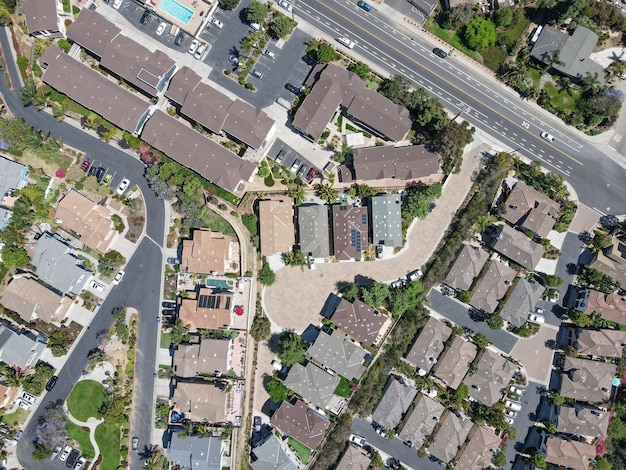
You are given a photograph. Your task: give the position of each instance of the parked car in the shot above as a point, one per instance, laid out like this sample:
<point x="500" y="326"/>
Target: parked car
<point x="50" y="385"/>
<point x="234" y="60"/>
<point x="65" y="454"/>
<point x="534" y="318"/>
<point x="96" y="286"/>
<point x="118" y="278"/>
<point x="215" y="22"/>
<point x="80" y="464"/>
<point x="122" y="186"/>
<point x="168" y="304"/>
<point x="346" y="42"/>
<point x="257" y="424"/>
<point x="292" y="88"/>
<point x="414" y="275"/>
<point x="295" y="165"/>
<point x="312" y="173"/>
<point x="364" y="5"/>
<point x="256" y="27"/>
<point x="409" y="443"/>
<point x="379" y="251"/>
<point x="194" y="45"/>
<point x="510" y="413"/>
<point x="107" y="179"/>
<point x="380" y="431"/>
<point x="85" y="165"/>
<point x="161" y="29"/>
<point x="72" y="458"/>
<point x="398" y="283"/>
<point x="431" y="208"/>
<point x="173" y="261"/>
<point x="256" y="73"/>
<point x="28" y="398"/>
<point x="516" y="390"/>
<point x="179" y="38"/>
<point x="538" y="310"/>
<point x="117" y="4"/>
<point x="440" y="52"/>
<point x="55" y="452"/>
<point x="547" y="136"/>
<point x="357" y="440"/>
<point x="100" y="172"/>
<point x="285" y="4"/>
<point x="508" y="420"/>
<point x="200" y="51"/>
<point x="170" y="312"/>
<point x="145" y="17"/>
<point x="513" y="405"/>
<point x="302" y="171"/>
<point x="135" y="443"/>
<point x="268" y="53"/>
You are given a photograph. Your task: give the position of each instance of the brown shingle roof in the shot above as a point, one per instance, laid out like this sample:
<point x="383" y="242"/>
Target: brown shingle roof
<point x="93" y="90"/>
<point x="301" y="423"/>
<point x="350" y="230"/>
<point x="422" y="420"/>
<point x="583" y="421"/>
<point x="31" y="299"/>
<point x="276" y="225"/>
<point x="493" y="286"/>
<point x="467" y="267"/>
<point x="193" y="150"/>
<point x="517" y="246"/>
<point x="206" y="310"/>
<point x="530" y="209"/>
<point x="605" y="343"/>
<point x="200" y="401"/>
<point x="569" y="454"/>
<point x="587" y="381"/>
<point x="477" y="453"/>
<point x="205" y="357"/>
<point x="410" y="162"/>
<point x="611" y="306"/>
<point x="455" y="362"/>
<point x="429" y="344"/>
<point x="90" y="220"/>
<point x="92" y="31"/>
<point x="380" y="114"/>
<point x="491" y="378"/>
<point x="207" y="252"/>
<point x="248" y="124"/>
<point x="207" y="106"/>
<point x="450" y="436"/>
<point x="355" y="458"/>
<point x="40" y="15"/>
<point x="184" y="81"/>
<point x="359" y="320"/>
<point x="612" y="261"/>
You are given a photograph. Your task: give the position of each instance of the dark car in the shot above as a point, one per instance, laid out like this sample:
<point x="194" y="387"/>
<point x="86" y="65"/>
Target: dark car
<point x="311" y="174"/>
<point x="179" y="38"/>
<point x="100" y="172"/>
<point x="173" y="261"/>
<point x="257" y="424"/>
<point x="72" y="458"/>
<point x="51" y="383"/>
<point x="364" y="5"/>
<point x="280" y="157"/>
<point x="145" y="17"/>
<point x="168" y="312"/>
<point x="294" y="89"/>
<point x="168" y="304"/>
<point x="431" y="208"/>
<point x="440" y="52"/>
<point x="302" y="171"/>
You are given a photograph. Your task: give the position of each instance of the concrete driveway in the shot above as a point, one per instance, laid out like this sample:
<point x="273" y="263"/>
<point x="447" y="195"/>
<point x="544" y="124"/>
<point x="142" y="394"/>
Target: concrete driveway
<point x="536" y="353"/>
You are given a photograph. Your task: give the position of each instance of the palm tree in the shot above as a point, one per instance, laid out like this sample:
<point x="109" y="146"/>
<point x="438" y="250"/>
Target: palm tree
<point x="156" y="461"/>
<point x="551" y="60"/>
<point x="589" y="82"/>
<point x="326" y="192"/>
<point x="297" y="194"/>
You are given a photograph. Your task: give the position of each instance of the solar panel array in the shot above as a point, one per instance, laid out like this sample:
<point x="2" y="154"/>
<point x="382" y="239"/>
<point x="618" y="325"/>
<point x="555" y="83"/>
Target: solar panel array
<point x="355" y="239"/>
<point x="364" y="219"/>
<point x="213" y="301"/>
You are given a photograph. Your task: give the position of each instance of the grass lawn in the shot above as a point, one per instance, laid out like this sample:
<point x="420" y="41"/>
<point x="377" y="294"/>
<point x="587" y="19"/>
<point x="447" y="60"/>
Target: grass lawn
<point x="15" y="418"/>
<point x="535" y="75"/>
<point x="451" y="38"/>
<point x="343" y="389"/>
<point x="85" y="400"/>
<point x="217" y="223"/>
<point x="303" y="451"/>
<point x="166" y="340"/>
<point x="81" y="436"/>
<point x="562" y="99"/>
<point x="108" y="439"/>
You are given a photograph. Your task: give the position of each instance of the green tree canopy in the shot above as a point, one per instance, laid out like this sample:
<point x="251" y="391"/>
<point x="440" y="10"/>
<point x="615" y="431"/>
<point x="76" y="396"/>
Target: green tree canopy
<point x="14" y="257"/>
<point x="418" y="200"/>
<point x="277" y="391"/>
<point x="479" y="34"/>
<point x="503" y="17"/>
<point x="266" y="275"/>
<point x="405" y="298"/>
<point x="481" y="340"/>
<point x="281" y="26"/>
<point x="261" y="328"/>
<point x="256" y="12"/>
<point x="229" y="4"/>
<point x="375" y="294"/>
<point x="290" y="348"/>
<point x="360" y="68"/>
<point x="495" y="321"/>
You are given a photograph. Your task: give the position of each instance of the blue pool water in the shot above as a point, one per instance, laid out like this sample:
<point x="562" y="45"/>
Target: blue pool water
<point x="220" y="283"/>
<point x="176" y="10"/>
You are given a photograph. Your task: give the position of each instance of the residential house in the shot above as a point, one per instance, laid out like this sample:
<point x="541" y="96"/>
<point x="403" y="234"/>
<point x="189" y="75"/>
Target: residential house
<point x="386" y="219"/>
<point x="13" y="175"/>
<point x="530" y="210"/>
<point x="516" y="246"/>
<point x="391" y="166"/>
<point x="90" y="88"/>
<point x="611" y="307"/>
<point x="200" y="402"/>
<point x="600" y="343"/>
<point x="455" y="361"/>
<point x="32" y="300"/>
<point x="612" y="261"/>
<point x="466" y="267"/>
<point x="209" y="252"/>
<point x="493" y="286"/>
<point x="451" y="434"/>
<point x="91" y="222"/>
<point x="206" y="309"/>
<point x="313" y="230"/>
<point x="5" y="216"/>
<point x="360" y="321"/>
<point x="396" y="399"/>
<point x="19" y="350"/>
<point x="422" y="420"/>
<point x="337" y="352"/>
<point x="429" y="345"/>
<point x="92" y="31"/>
<point x="350" y="231"/>
<point x="587" y="381"/>
<point x="209" y="356"/>
<point x="521" y="301"/>
<point x="195" y="452"/>
<point x="354" y="458"/>
<point x="476" y="454"/>
<point x="575" y="455"/>
<point x="42" y="18"/>
<point x="583" y="421"/>
<point x="335" y="87"/>
<point x="197" y="152"/>
<point x="248" y="124"/>
<point x="569" y="55"/>
<point x="56" y="264"/>
<point x="271" y="456"/>
<point x="313" y="384"/>
<point x="276" y="227"/>
<point x="491" y="379"/>
<point x="184" y="81"/>
<point x="300" y="422"/>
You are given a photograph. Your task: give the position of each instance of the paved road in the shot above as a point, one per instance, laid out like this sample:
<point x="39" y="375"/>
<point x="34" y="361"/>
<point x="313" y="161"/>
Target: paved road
<point x="457" y="313"/>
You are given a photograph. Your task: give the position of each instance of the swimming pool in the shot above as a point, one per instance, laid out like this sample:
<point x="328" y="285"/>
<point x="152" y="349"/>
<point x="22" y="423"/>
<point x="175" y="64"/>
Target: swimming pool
<point x="220" y="283"/>
<point x="176" y="10"/>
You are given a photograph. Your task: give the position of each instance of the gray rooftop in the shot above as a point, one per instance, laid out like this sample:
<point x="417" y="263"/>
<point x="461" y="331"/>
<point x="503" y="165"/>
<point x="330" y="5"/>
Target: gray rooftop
<point x="18" y="349"/>
<point x="396" y="399"/>
<point x="450" y="436"/>
<point x="195" y="453"/>
<point x="493" y="374"/>
<point x="521" y="301"/>
<point x="40" y="15"/>
<point x="271" y="456"/>
<point x="466" y="267"/>
<point x="583" y="420"/>
<point x="386" y="219"/>
<point x="56" y="263"/>
<point x="338" y="353"/>
<point x="493" y="286"/>
<point x="13" y="175"/>
<point x="587" y="381"/>
<point x="429" y="344"/>
<point x="313" y="230"/>
<point x="422" y="420"/>
<point x="312" y="383"/>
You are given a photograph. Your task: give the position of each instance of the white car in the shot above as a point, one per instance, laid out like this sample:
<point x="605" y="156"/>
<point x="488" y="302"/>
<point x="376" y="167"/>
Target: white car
<point x="536" y="318"/>
<point x="513" y="405"/>
<point x="28" y="398"/>
<point x="117" y="4"/>
<point x="65" y="454"/>
<point x="516" y="390"/>
<point x="194" y="45"/>
<point x="285" y="4"/>
<point x="510" y="413"/>
<point x="161" y="29"/>
<point x="122" y="186"/>
<point x="215" y="22"/>
<point x="508" y="420"/>
<point x="268" y="53"/>
<point x="200" y="51"/>
<point x="118" y="278"/>
<point x="346" y="42"/>
<point x="414" y="275"/>
<point x="80" y="464"/>
<point x="96" y="286"/>
<point x="358" y="440"/>
<point x="547" y="136"/>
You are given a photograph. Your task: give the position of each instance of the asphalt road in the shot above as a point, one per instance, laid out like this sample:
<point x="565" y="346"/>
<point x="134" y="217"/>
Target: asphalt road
<point x="482" y="101"/>
<point x="458" y="313"/>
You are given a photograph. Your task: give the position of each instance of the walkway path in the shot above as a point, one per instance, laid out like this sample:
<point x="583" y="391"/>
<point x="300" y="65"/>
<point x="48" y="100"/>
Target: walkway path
<point x="92" y="424"/>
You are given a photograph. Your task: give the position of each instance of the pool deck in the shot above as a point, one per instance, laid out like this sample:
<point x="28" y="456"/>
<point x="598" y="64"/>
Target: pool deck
<point x="202" y="10"/>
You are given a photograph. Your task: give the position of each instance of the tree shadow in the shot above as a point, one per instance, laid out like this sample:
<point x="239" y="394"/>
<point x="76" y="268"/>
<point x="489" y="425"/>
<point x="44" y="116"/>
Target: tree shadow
<point x="272" y="342"/>
<point x="363" y="280"/>
<point x="550" y="344"/>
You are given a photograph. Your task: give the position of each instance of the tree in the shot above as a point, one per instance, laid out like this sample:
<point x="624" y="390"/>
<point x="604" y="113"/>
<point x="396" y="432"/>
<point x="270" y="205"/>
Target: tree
<point x="96" y="356"/>
<point x="464" y="296"/>
<point x="281" y="26"/>
<point x="179" y="333"/>
<point x="35" y="382"/>
<point x="396" y="89"/>
<point x="617" y="429"/>
<point x="405" y="298"/>
<point x="297" y="194"/>
<point x="5" y="15"/>
<point x="502" y="17"/>
<point x="481" y="340"/>
<point x="350" y="292"/>
<point x="326" y="192"/>
<point x="261" y="328"/>
<point x="602" y="464"/>
<point x="290" y="348"/>
<point x="51" y="429"/>
<point x="600" y="241"/>
<point x="556" y="398"/>
<point x="375" y="294"/>
<point x="495" y="321"/>
<point x="538" y="460"/>
<point x="28" y="91"/>
<point x="549" y="426"/>
<point x="294" y="258"/>
<point x="266" y="275"/>
<point x="41" y="453"/>
<point x="229" y="4"/>
<point x="499" y="460"/>
<point x="580" y="319"/>
<point x="418" y="200"/>
<point x="462" y="14"/>
<point x="360" y="68"/>
<point x="479" y="34"/>
<point x="14" y="257"/>
<point x="591" y="277"/>
<point x="256" y="12"/>
<point x="277" y="391"/>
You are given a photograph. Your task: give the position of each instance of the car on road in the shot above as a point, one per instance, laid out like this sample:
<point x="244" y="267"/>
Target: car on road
<point x="173" y="261"/>
<point x="145" y="17"/>
<point x="256" y="73"/>
<point x="96" y="286"/>
<point x="51" y="383"/>
<point x="122" y="186"/>
<point x="257" y="424"/>
<point x="66" y="453"/>
<point x="179" y="38"/>
<point x="118" y="278"/>
<point x="431" y="208"/>
<point x="302" y="171"/>
<point x="292" y="88"/>
<point x="168" y="304"/>
<point x="217" y="23"/>
<point x="107" y="179"/>
<point x="85" y="165"/>
<point x="135" y="443"/>
<point x="357" y="440"/>
<point x="200" y="51"/>
<point x="296" y="165"/>
<point x="440" y="52"/>
<point x="193" y="46"/>
<point x="346" y="42"/>
<point x="312" y="173"/>
<point x="161" y="29"/>
<point x="234" y="60"/>
<point x="534" y="318"/>
<point x="366" y="6"/>
<point x="547" y="136"/>
<point x="380" y="431"/>
<point x="268" y="53"/>
<point x="117" y="4"/>
<point x="285" y="4"/>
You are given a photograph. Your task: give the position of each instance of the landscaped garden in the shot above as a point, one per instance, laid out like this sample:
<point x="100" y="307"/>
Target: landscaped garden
<point x="304" y="453"/>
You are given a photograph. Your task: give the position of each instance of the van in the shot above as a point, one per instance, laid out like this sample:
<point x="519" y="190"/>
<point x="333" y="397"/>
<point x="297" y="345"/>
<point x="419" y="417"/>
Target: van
<point x="256" y="27"/>
<point x="283" y="102"/>
<point x="513" y="405"/>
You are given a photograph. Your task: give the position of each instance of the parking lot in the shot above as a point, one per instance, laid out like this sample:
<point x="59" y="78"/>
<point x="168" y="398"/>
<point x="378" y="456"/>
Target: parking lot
<point x="291" y="156"/>
<point x="103" y="173"/>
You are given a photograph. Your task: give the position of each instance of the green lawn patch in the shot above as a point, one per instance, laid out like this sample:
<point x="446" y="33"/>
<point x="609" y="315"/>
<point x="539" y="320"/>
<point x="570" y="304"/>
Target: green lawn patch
<point x="511" y="34"/>
<point x="16" y="418"/>
<point x="108" y="439"/>
<point x="343" y="389"/>
<point x="215" y="222"/>
<point x="494" y="57"/>
<point x="85" y="400"/>
<point x="536" y="76"/>
<point x="564" y="99"/>
<point x="166" y="340"/>
<point x="451" y="38"/>
<point x="81" y="436"/>
<point x="299" y="448"/>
